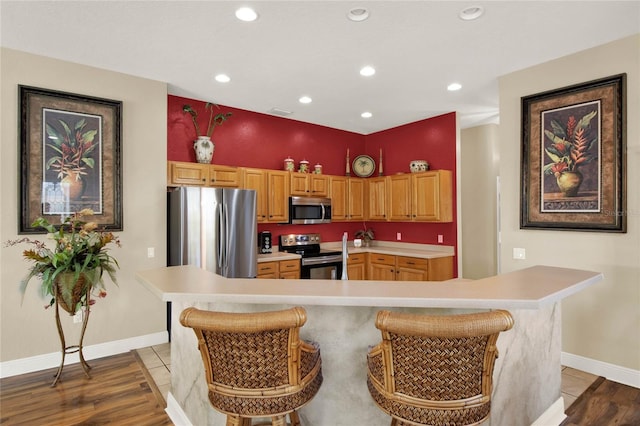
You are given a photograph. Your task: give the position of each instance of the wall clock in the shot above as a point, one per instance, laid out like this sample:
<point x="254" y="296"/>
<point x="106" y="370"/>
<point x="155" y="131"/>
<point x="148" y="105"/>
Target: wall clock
<point x="363" y="166"/>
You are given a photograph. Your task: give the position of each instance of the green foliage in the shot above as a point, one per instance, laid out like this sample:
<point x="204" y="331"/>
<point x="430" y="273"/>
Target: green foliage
<point x="214" y="119"/>
<point x="80" y="249"/>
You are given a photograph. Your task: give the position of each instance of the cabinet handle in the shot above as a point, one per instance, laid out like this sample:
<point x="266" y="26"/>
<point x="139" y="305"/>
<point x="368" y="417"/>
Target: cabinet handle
<point x="410" y="263"/>
<point x="204" y="180"/>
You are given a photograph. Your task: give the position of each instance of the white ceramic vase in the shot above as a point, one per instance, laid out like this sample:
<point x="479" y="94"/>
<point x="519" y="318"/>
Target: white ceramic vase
<point x="203" y="147"/>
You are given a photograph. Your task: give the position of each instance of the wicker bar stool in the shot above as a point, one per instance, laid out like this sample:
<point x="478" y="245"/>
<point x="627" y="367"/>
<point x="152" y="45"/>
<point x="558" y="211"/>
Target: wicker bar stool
<point x="435" y="369"/>
<point x="255" y="363"/>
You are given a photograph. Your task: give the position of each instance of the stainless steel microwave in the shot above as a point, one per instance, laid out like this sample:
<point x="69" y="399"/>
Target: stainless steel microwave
<point x="309" y="210"/>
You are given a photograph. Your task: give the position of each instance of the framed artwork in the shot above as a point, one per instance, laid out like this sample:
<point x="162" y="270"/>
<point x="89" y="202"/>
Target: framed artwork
<point x="70" y="157"/>
<point x="573" y="158"/>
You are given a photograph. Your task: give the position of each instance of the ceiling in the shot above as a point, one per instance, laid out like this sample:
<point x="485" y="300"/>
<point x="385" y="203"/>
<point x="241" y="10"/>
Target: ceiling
<point x="310" y="48"/>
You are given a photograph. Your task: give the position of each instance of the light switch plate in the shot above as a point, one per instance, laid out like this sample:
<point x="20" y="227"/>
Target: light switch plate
<point x="519" y="253"/>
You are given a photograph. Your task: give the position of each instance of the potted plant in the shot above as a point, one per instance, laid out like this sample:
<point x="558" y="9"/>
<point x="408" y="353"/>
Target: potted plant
<point x="203" y="145"/>
<point x="366" y="235"/>
<point x="74" y="268"/>
<point x="73" y="148"/>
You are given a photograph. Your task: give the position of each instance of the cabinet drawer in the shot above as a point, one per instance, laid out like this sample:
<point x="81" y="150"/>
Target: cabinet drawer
<point x="412" y="262"/>
<point x="383" y="259"/>
<point x="289" y="265"/>
<point x="355" y="258"/>
<point x="267" y="267"/>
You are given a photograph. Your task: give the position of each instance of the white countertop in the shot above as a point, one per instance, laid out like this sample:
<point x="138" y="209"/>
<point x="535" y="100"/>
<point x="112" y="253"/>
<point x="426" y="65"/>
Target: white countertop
<point x="423" y="251"/>
<point x="529" y="288"/>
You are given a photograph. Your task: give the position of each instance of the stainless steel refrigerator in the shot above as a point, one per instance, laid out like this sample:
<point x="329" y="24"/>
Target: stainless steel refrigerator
<point x="215" y="229"/>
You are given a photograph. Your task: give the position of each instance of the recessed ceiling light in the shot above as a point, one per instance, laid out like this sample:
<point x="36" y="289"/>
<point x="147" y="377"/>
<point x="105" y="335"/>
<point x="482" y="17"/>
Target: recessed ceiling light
<point x="471" y="13"/>
<point x="222" y="78"/>
<point x="367" y="71"/>
<point x="454" y="86"/>
<point x="358" y="14"/>
<point x="366" y="114"/>
<point x="246" y="14"/>
<point x="305" y="100"/>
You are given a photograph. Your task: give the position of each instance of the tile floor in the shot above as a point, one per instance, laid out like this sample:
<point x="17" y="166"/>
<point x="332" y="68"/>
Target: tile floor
<point x="157" y="359"/>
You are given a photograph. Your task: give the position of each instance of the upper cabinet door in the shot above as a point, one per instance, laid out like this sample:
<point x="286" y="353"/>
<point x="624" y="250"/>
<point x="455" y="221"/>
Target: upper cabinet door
<point x="319" y="185"/>
<point x="400" y="200"/>
<point x="188" y="174"/>
<point x="356" y="199"/>
<point x="432" y="196"/>
<point x="300" y="184"/>
<point x="279" y="191"/>
<point x="376" y="198"/>
<point x="338" y="186"/>
<point x="256" y="179"/>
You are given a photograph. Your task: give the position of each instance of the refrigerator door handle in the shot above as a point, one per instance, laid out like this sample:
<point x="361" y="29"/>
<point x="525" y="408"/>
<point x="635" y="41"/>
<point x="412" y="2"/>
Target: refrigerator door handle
<point x="221" y="237"/>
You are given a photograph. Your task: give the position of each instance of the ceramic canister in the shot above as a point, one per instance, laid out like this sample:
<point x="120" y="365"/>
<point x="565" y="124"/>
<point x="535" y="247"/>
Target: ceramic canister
<point x="289" y="165"/>
<point x="304" y="166"/>
<point x="317" y="169"/>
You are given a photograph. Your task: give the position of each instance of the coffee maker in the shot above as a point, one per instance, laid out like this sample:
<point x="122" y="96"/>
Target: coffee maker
<point x="265" y="242"/>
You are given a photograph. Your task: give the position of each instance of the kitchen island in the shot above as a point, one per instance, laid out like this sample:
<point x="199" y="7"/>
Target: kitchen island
<point x="341" y="317"/>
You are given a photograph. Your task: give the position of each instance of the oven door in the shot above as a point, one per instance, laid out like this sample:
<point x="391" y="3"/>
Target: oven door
<point x="321" y="268"/>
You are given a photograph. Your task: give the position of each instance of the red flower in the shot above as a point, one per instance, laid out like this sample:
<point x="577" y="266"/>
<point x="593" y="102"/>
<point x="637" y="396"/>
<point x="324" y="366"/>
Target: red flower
<point x="559" y="167"/>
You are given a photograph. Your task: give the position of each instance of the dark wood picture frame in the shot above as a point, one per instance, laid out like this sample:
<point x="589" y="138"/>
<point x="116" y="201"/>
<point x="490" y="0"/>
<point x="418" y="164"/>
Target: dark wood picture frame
<point x="574" y="157"/>
<point x="70" y="158"/>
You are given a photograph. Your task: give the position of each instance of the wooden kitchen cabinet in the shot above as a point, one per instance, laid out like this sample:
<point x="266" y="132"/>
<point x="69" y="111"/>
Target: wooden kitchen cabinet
<point x="290" y="269"/>
<point x="272" y="193"/>
<point x="268" y="270"/>
<point x="309" y="184"/>
<point x="404" y="268"/>
<point x="381" y="267"/>
<point x="411" y="269"/>
<point x="284" y="269"/>
<point x="400" y="200"/>
<point x="356" y="266"/>
<point x="376" y="198"/>
<point x="278" y="189"/>
<point x="440" y="268"/>
<point x="347" y="198"/>
<point x="256" y="179"/>
<point x="432" y="196"/>
<point x="196" y="174"/>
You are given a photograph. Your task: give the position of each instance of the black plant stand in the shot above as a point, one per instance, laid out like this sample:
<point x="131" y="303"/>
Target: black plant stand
<point x="76" y="348"/>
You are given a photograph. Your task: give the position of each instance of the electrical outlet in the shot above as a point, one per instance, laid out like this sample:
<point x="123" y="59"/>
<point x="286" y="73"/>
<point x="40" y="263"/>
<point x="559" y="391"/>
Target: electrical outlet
<point x="151" y="252"/>
<point x="77" y="318"/>
<point x="398" y="236"/>
<point x="440" y="239"/>
<point x="519" y="253"/>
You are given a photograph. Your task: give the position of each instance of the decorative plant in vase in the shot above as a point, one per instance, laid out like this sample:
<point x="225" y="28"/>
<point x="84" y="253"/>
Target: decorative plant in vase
<point x="570" y="147"/>
<point x="203" y="146"/>
<point x="366" y="235"/>
<point x="73" y="269"/>
<point x="73" y="149"/>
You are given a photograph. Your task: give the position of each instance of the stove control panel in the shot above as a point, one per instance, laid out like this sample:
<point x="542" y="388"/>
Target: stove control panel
<point x="290" y="240"/>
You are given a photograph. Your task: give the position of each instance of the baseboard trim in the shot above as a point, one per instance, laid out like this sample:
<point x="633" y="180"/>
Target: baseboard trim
<point x="615" y="373"/>
<point x="101" y="350"/>
<point x="175" y="412"/>
<point x="554" y="415"/>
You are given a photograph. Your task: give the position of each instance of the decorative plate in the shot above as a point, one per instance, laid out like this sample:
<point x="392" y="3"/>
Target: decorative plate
<point x="363" y="166"/>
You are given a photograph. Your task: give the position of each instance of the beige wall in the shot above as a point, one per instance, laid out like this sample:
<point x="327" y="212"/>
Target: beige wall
<point x="129" y="310"/>
<point x="478" y="171"/>
<point x="602" y="322"/>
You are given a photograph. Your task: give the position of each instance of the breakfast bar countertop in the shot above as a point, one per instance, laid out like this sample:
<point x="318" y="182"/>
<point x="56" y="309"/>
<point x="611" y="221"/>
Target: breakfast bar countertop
<point x="529" y="288"/>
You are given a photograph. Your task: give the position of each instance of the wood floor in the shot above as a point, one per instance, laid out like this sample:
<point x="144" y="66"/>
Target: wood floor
<point x="120" y="392"/>
<point x="605" y="403"/>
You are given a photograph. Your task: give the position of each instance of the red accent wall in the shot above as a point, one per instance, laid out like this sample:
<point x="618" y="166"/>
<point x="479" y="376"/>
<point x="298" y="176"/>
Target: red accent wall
<point x="251" y="139"/>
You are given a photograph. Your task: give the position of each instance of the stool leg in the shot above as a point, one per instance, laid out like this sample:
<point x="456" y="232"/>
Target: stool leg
<point x="235" y="420"/>
<point x="293" y="417"/>
<point x="278" y="421"/>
